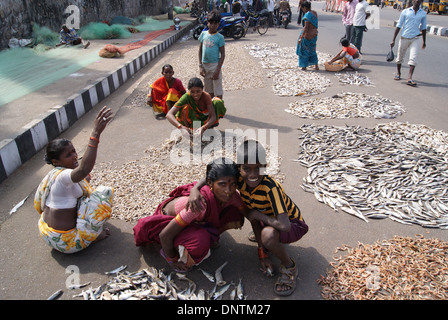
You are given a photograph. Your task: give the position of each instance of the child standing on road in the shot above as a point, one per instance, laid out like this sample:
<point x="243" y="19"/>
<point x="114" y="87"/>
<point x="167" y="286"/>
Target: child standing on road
<point x="211" y="55"/>
<point x="275" y="218"/>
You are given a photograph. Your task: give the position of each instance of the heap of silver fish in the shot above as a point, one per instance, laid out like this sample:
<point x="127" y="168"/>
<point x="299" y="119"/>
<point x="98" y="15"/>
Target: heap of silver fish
<point x="395" y="170"/>
<point x="153" y="284"/>
<point x="346" y="105"/>
<point x="288" y="79"/>
<point x="354" y="78"/>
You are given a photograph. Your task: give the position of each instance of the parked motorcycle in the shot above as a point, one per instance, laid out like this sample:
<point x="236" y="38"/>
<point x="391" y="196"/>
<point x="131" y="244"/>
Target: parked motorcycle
<point x="284" y="18"/>
<point x="229" y="27"/>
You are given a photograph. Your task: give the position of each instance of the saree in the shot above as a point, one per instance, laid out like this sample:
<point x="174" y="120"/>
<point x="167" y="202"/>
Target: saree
<point x="190" y="111"/>
<point x="193" y="242"/>
<point x="93" y="210"/>
<point x="306" y="49"/>
<point x="161" y="93"/>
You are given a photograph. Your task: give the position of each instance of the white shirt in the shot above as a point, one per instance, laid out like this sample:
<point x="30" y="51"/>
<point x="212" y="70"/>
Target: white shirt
<point x="270" y="5"/>
<point x="359" y="19"/>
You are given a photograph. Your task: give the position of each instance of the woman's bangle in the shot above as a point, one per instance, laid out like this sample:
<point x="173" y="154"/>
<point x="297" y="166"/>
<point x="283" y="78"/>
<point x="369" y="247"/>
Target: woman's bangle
<point x="262" y="254"/>
<point x="179" y="126"/>
<point x="95" y="139"/>
<point x="91" y="145"/>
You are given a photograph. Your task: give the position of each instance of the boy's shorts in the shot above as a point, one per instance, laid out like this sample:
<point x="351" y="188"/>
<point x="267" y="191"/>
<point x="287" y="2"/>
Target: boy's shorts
<point x="214" y="87"/>
<point x="298" y="229"/>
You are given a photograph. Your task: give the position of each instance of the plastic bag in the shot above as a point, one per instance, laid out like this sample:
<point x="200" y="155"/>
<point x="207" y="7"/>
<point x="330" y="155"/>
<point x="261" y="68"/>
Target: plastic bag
<point x="390" y="56"/>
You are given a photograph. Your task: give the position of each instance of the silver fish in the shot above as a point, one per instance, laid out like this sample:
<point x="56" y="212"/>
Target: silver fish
<point x="78" y="286"/>
<point x="207" y="275"/>
<point x="56" y="295"/>
<point x="121" y="268"/>
<point x="218" y="275"/>
<point x="240" y="291"/>
<point x="218" y="294"/>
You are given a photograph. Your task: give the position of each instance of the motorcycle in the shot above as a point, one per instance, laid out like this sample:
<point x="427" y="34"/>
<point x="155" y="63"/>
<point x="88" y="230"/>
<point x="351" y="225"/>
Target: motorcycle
<point x="284" y="18"/>
<point x="229" y="27"/>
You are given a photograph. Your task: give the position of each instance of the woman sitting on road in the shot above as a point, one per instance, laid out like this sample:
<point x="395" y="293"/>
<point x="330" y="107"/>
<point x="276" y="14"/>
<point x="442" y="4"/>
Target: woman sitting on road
<point x="350" y="55"/>
<point x="186" y="237"/>
<point x="165" y="91"/>
<point x="72" y="214"/>
<point x="196" y="105"/>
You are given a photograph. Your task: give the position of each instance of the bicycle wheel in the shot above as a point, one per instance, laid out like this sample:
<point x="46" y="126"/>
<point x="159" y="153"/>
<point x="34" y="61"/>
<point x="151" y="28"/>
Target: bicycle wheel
<point x="263" y="25"/>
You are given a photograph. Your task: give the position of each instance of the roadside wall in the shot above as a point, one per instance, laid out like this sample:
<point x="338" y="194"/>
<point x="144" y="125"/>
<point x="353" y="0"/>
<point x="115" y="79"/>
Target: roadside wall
<point x="17" y="16"/>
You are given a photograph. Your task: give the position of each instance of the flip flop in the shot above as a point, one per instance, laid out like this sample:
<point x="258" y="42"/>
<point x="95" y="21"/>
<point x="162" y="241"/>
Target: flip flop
<point x="411" y="83"/>
<point x="397" y="77"/>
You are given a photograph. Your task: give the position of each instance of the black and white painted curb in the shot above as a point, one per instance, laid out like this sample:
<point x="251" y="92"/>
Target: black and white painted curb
<point x="36" y="134"/>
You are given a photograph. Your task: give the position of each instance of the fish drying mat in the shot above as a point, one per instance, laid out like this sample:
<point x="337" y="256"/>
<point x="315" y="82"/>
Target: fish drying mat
<point x="141" y="185"/>
<point x="346" y="105"/>
<point x="402" y="268"/>
<point x="395" y="170"/>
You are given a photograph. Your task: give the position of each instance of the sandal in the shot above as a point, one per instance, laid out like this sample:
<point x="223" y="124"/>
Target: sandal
<point x="288" y="277"/>
<point x="411" y="83"/>
<point x="397" y="77"/>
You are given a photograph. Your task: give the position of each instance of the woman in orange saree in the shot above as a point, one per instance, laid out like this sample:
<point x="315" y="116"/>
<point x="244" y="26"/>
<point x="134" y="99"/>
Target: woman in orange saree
<point x="165" y="91"/>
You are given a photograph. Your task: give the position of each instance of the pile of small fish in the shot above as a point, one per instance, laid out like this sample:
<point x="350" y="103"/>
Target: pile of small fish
<point x="346" y="105"/>
<point x="140" y="185"/>
<point x="153" y="284"/>
<point x="402" y="268"/>
<point x="290" y="81"/>
<point x="354" y="78"/>
<point x="395" y="170"/>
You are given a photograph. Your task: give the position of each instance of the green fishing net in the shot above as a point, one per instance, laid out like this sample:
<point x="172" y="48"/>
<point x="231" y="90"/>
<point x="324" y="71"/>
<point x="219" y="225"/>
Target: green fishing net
<point x="45" y="36"/>
<point x="99" y="30"/>
<point x="25" y="70"/>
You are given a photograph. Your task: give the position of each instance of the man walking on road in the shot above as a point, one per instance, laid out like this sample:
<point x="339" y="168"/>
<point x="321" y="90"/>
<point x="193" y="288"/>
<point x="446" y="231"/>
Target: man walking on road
<point x="412" y="20"/>
<point x="359" y="23"/>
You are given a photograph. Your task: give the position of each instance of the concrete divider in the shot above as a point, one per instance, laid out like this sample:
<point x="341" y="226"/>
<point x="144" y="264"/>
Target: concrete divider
<point x="34" y="136"/>
<point x="435" y="30"/>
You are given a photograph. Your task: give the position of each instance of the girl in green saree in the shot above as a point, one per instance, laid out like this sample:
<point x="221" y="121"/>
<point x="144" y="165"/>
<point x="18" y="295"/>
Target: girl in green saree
<point x="196" y="105"/>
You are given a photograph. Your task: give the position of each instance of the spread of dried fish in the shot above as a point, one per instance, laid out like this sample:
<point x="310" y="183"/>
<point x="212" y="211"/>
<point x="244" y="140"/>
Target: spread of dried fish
<point x="346" y="105"/>
<point x="153" y="284"/>
<point x="354" y="78"/>
<point x="140" y="185"/>
<point x="402" y="268"/>
<point x="291" y="81"/>
<point x="395" y="170"/>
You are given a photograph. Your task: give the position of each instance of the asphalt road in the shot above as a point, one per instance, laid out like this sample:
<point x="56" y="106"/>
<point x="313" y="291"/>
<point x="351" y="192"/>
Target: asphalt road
<point x="31" y="270"/>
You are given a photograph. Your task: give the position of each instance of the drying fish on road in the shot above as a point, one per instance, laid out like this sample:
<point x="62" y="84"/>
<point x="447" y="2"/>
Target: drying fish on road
<point x="295" y="82"/>
<point x="218" y="275"/>
<point x="153" y="284"/>
<point x="402" y="268"/>
<point x="121" y="268"/>
<point x="395" y="170"/>
<point x="346" y="105"/>
<point x="354" y="78"/>
<point x="291" y="81"/>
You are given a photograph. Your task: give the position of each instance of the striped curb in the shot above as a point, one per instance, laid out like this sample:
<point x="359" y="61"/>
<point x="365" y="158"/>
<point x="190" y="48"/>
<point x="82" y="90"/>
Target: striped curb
<point x="35" y="135"/>
<point x="435" y="30"/>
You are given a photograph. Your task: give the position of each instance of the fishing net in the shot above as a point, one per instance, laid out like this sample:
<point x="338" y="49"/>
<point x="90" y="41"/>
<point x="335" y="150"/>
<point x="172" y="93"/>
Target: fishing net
<point x="99" y="30"/>
<point x="25" y="70"/>
<point x="45" y="36"/>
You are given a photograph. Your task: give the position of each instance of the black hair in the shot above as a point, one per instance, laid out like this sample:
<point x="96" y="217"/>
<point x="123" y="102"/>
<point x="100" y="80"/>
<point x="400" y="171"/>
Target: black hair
<point x="307" y="5"/>
<point x="167" y="66"/>
<point x="221" y="167"/>
<point x="54" y="150"/>
<point x="195" y="82"/>
<point x="214" y="16"/>
<point x="251" y="152"/>
<point x="345" y="42"/>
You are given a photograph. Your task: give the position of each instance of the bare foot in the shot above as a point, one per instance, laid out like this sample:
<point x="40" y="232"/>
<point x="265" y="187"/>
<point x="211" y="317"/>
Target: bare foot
<point x="103" y="235"/>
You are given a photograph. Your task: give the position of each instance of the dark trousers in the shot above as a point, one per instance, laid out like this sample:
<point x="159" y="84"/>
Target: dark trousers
<point x="357" y="34"/>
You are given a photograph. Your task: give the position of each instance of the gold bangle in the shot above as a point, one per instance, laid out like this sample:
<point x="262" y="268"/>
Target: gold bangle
<point x="179" y="126"/>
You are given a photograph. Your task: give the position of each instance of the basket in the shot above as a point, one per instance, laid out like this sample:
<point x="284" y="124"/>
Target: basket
<point x="334" y="67"/>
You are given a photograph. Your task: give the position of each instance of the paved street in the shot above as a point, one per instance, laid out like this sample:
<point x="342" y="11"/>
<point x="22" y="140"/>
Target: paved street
<point x="31" y="270"/>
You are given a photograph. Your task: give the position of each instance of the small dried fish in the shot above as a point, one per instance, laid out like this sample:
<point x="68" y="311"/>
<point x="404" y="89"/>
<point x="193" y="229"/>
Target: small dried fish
<point x="218" y="275"/>
<point x="121" y="268"/>
<point x="78" y="286"/>
<point x="208" y="275"/>
<point x="354" y="78"/>
<point x="56" y="295"/>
